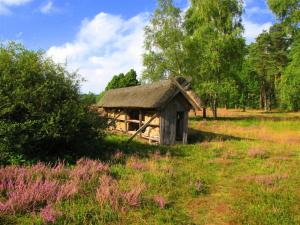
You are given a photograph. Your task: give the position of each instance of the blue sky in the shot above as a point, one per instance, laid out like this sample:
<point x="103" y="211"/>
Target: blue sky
<point x="97" y="38"/>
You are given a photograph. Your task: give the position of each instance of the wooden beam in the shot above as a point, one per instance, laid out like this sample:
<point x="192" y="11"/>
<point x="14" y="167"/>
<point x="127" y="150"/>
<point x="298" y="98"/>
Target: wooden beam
<point x="115" y="118"/>
<point x="143" y="127"/>
<point x="191" y="101"/>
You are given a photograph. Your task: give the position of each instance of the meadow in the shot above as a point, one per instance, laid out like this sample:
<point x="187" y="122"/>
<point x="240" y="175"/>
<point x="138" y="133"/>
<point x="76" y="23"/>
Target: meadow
<point x="242" y="168"/>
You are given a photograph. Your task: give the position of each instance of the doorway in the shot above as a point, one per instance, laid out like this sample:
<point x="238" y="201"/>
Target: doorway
<point x="179" y="126"/>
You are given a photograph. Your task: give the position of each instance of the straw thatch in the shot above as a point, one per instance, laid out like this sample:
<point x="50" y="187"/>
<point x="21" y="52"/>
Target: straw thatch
<point x="195" y="98"/>
<point x="152" y="96"/>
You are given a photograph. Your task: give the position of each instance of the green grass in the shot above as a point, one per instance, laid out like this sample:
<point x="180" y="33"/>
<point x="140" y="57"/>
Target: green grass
<point x="236" y="187"/>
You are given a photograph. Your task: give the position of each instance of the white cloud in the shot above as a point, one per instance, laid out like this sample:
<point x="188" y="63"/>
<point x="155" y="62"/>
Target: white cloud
<point x="47" y="8"/>
<point x="14" y="2"/>
<point x="104" y="46"/>
<point x="5" y="4"/>
<point x="252" y="30"/>
<point x="257" y="10"/>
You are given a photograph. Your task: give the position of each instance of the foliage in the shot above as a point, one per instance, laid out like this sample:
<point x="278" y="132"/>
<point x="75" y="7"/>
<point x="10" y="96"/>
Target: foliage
<point x="269" y="58"/>
<point x="215" y="48"/>
<point x="41" y="113"/>
<point x="290" y="89"/>
<point x="88" y="99"/>
<point x="164" y="55"/>
<point x="121" y="80"/>
<point x="248" y="85"/>
<point x="100" y="96"/>
<point x="288" y="12"/>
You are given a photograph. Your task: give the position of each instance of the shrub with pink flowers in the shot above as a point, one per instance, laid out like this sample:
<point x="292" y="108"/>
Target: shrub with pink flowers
<point x="109" y="193"/>
<point x="160" y="201"/>
<point x="49" y="215"/>
<point x="25" y="189"/>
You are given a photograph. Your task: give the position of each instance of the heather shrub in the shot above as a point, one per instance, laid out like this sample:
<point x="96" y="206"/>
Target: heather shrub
<point x="25" y="189"/>
<point x="136" y="164"/>
<point x="132" y="197"/>
<point x="87" y="169"/>
<point x="49" y="214"/>
<point x="109" y="193"/>
<point x="160" y="201"/>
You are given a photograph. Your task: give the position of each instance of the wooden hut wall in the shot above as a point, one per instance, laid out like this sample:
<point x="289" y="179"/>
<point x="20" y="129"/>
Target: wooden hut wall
<point x="122" y="121"/>
<point x="168" y="120"/>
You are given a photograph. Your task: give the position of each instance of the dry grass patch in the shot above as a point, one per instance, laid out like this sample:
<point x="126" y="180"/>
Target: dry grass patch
<point x="270" y="179"/>
<point x="257" y="152"/>
<point x="221" y="160"/>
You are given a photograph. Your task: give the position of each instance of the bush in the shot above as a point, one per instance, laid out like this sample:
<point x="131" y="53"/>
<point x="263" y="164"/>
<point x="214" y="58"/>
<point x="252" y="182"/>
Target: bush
<point x="41" y="112"/>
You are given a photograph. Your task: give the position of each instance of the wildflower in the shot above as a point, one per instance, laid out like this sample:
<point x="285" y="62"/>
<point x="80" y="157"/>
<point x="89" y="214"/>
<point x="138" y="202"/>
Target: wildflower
<point x="132" y="197"/>
<point x="160" y="201"/>
<point x="49" y="215"/>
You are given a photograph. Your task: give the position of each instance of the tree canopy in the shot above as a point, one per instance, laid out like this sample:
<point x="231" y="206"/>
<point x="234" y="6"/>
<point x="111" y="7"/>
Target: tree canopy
<point x="121" y="80"/>
<point x="164" y="43"/>
<point x="207" y="43"/>
<point x="215" y="47"/>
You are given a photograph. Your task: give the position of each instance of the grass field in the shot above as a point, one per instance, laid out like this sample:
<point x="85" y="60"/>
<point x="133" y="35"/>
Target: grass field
<point x="240" y="169"/>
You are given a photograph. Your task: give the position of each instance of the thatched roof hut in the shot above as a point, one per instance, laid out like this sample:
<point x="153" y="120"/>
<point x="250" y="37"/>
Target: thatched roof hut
<point x="158" y="111"/>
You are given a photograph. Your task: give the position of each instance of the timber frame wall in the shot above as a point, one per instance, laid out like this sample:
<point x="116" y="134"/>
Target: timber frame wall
<point x="130" y="121"/>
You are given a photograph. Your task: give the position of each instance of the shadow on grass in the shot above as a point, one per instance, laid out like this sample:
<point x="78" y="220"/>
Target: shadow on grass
<point x="112" y="143"/>
<point x="143" y="150"/>
<point x="105" y="149"/>
<point x="196" y="136"/>
<point x="248" y="118"/>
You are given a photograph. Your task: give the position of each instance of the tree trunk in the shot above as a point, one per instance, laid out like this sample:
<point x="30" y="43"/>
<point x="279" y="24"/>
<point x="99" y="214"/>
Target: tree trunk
<point x="262" y="97"/>
<point x="204" y="113"/>
<point x="270" y="102"/>
<point x="214" y="108"/>
<point x="265" y="101"/>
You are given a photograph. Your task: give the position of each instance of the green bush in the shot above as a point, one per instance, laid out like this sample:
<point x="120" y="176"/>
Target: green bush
<point x="41" y="112"/>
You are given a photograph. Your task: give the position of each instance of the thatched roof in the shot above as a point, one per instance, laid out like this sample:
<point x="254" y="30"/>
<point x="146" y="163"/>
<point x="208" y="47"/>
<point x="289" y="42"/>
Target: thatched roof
<point x="152" y="96"/>
<point x="195" y="98"/>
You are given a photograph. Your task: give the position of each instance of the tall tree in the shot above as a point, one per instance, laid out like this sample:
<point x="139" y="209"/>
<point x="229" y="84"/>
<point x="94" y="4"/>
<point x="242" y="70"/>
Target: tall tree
<point x="164" y="43"/>
<point x="288" y="15"/>
<point x="269" y="57"/>
<point x="215" y="47"/>
<point x="287" y="12"/>
<point x="261" y="62"/>
<point x="121" y="80"/>
<point x="248" y="84"/>
<point x="290" y="89"/>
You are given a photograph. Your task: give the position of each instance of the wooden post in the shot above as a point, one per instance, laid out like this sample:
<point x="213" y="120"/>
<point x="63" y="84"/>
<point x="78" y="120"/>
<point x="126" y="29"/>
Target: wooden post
<point x="143" y="127"/>
<point x="185" y="128"/>
<point x="140" y="119"/>
<point x="126" y="118"/>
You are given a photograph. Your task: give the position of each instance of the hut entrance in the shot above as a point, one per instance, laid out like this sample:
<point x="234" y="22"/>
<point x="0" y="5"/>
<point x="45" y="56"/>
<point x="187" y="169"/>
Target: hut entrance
<point x="179" y="126"/>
